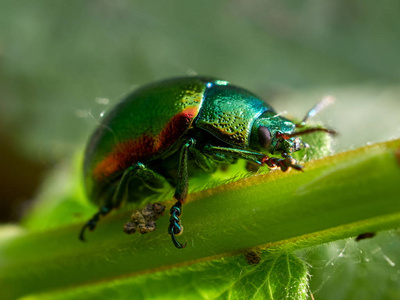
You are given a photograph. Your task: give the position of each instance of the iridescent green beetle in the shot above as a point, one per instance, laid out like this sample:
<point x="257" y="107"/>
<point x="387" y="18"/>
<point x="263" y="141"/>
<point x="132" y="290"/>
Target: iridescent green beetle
<point x="166" y="131"/>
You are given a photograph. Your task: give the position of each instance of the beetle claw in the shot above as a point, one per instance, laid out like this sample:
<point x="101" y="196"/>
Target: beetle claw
<point x="176" y="230"/>
<point x="82" y="234"/>
<point x="91" y="224"/>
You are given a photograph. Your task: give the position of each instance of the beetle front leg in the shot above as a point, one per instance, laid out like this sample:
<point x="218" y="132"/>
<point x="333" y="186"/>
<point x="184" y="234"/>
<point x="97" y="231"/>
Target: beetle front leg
<point x="226" y="155"/>
<point x="204" y="162"/>
<point x="284" y="164"/>
<point x="255" y="157"/>
<point x="175" y="228"/>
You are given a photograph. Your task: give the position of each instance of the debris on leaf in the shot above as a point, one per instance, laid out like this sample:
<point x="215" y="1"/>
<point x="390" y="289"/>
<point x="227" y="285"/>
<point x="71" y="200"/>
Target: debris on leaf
<point x="143" y="220"/>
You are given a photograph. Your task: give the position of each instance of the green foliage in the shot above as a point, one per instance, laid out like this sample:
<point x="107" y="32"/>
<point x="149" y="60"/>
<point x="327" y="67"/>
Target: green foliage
<point x="280" y="275"/>
<point x="336" y="198"/>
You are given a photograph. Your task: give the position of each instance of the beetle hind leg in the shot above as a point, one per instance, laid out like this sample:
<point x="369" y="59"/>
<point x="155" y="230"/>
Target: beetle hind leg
<point x="91" y="224"/>
<point x="116" y="201"/>
<point x="149" y="178"/>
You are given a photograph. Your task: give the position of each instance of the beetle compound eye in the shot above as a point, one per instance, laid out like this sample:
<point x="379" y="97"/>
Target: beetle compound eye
<point x="264" y="137"/>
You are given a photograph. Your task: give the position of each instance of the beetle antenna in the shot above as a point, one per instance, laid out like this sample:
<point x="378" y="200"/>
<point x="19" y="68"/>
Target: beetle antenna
<point x="326" y="101"/>
<point x="287" y="136"/>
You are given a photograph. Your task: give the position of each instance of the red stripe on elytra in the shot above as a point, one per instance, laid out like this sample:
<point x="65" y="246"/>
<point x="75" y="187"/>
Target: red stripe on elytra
<point x="127" y="153"/>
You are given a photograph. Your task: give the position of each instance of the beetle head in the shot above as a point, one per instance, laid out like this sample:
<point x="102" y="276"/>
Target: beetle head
<point x="274" y="133"/>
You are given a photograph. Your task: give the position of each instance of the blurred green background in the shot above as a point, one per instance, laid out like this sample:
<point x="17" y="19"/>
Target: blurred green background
<point x="63" y="63"/>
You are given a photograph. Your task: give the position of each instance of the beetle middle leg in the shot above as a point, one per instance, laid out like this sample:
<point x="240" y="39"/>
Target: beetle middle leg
<point x="180" y="195"/>
<point x="204" y="162"/>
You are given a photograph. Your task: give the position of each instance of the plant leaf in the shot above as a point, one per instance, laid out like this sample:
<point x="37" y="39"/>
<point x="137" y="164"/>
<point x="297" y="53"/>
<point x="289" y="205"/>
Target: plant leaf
<point x="337" y="197"/>
<point x="279" y="275"/>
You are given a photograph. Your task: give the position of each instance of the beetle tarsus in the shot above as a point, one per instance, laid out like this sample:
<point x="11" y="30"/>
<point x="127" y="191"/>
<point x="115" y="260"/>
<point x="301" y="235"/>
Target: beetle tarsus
<point x="91" y="224"/>
<point x="175" y="227"/>
<point x="283" y="163"/>
<point x="171" y="230"/>
<point x="82" y="234"/>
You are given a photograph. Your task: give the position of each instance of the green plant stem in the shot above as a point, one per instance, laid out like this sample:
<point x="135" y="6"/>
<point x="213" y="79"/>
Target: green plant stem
<point x="336" y="197"/>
